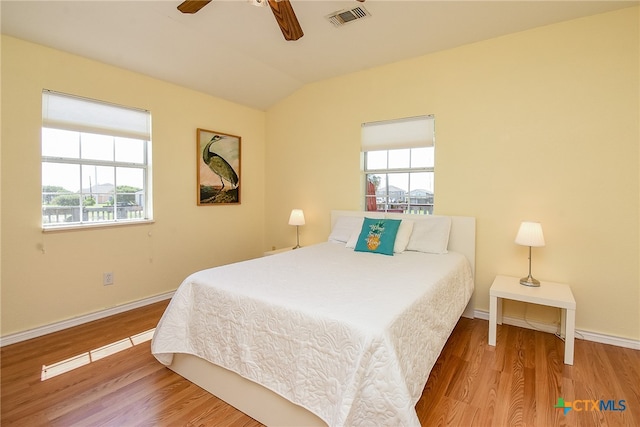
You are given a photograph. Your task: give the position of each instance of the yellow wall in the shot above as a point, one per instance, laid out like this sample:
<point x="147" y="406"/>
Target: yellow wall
<point x="539" y="125"/>
<point x="66" y="280"/>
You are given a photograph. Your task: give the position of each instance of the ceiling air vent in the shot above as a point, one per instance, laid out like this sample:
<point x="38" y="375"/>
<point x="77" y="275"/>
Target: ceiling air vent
<point x="342" y="17"/>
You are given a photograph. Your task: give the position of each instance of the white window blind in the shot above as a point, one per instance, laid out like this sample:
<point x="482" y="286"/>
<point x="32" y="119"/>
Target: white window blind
<point x="411" y="132"/>
<point x="68" y="112"/>
<point x="96" y="162"/>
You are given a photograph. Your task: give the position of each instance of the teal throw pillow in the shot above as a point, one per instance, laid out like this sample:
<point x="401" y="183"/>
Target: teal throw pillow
<point x="378" y="235"/>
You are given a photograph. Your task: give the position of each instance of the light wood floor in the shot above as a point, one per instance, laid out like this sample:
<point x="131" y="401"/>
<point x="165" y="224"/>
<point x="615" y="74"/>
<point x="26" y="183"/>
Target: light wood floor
<point x="518" y="382"/>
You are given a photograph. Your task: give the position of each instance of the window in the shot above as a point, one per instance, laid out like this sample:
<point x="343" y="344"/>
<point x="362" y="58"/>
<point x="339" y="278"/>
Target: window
<point x="96" y="162"/>
<point x="398" y="159"/>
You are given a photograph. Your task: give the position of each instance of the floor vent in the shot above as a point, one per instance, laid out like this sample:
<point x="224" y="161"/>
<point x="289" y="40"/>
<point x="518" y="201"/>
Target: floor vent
<point x="342" y="17"/>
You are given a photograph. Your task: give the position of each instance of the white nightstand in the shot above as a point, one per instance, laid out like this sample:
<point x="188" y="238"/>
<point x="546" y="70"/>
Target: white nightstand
<point x="549" y="293"/>
<point x="277" y="251"/>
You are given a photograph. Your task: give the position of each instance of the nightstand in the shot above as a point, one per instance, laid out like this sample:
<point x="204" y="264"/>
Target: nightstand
<point x="549" y="294"/>
<point x="277" y="251"/>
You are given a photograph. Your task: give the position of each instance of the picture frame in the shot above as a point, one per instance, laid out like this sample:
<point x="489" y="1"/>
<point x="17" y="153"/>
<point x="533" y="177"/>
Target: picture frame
<point x="218" y="168"/>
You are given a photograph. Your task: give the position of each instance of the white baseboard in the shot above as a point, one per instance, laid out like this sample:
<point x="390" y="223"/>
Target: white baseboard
<point x="76" y="321"/>
<point x="552" y="328"/>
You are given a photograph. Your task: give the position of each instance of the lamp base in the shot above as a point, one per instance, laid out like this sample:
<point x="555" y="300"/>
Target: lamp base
<point x="297" y="238"/>
<point x="529" y="281"/>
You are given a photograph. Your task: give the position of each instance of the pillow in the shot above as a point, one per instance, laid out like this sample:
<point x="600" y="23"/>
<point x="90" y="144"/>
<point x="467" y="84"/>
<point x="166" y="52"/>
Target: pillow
<point x="344" y="227"/>
<point x="351" y="243"/>
<point x="430" y="235"/>
<point x="378" y="235"/>
<point x="403" y="236"/>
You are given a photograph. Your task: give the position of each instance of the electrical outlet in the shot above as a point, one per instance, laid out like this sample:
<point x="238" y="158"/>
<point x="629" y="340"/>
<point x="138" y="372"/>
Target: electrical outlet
<point x="107" y="278"/>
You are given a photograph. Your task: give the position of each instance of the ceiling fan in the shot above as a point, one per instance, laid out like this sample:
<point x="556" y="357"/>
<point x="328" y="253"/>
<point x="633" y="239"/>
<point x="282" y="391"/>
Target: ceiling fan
<point x="282" y="10"/>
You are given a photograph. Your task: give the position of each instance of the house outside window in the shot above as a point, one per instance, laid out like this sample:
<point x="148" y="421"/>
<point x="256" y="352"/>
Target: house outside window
<point x="399" y="160"/>
<point x="96" y="163"/>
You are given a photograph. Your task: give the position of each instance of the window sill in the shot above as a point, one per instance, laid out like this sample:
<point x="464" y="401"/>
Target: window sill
<point x="78" y="227"/>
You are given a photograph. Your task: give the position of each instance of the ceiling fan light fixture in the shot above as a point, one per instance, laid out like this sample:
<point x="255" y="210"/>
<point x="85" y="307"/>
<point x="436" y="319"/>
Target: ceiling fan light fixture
<point x="282" y="11"/>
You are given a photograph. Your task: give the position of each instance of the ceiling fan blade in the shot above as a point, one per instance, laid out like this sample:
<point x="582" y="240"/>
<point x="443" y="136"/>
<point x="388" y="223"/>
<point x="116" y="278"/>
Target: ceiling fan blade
<point x="287" y="20"/>
<point x="192" y="6"/>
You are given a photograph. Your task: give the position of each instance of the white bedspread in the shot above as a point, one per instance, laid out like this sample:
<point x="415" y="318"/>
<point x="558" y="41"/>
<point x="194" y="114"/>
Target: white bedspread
<point x="350" y="336"/>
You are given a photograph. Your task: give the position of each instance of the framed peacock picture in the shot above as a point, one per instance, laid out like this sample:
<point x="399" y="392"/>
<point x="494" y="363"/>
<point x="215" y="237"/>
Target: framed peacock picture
<point x="218" y="168"/>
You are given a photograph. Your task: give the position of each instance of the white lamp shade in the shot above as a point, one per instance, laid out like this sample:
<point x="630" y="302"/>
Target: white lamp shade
<point x="530" y="234"/>
<point x="296" y="217"/>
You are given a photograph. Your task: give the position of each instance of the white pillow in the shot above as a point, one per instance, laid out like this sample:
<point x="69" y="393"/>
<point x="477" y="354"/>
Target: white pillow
<point x="353" y="240"/>
<point x="404" y="232"/>
<point x="344" y="227"/>
<point x="403" y="236"/>
<point x="430" y="235"/>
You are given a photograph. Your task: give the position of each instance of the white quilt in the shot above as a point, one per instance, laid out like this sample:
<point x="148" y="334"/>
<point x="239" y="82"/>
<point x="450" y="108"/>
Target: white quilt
<point x="350" y="336"/>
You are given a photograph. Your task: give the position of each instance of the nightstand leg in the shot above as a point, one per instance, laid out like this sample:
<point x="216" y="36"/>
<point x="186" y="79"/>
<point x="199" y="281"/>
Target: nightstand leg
<point x="493" y="317"/>
<point x="570" y="331"/>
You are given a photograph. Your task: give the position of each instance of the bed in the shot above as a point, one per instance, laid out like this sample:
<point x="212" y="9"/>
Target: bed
<point x="328" y="334"/>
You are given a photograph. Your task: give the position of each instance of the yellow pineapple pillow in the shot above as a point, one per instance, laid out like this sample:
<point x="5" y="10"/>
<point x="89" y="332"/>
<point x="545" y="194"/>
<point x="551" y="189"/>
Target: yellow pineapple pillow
<point x="378" y="235"/>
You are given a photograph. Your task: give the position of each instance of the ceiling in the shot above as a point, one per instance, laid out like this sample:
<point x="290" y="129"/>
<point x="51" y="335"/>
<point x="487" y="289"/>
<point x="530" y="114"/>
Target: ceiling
<point x="233" y="50"/>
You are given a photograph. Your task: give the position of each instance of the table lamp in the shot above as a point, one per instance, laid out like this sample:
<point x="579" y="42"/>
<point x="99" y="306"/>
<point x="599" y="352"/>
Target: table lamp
<point x="297" y="218"/>
<point x="530" y="234"/>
